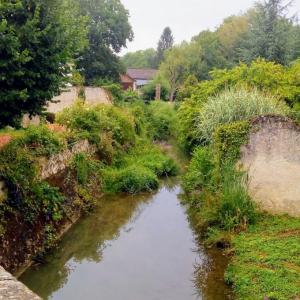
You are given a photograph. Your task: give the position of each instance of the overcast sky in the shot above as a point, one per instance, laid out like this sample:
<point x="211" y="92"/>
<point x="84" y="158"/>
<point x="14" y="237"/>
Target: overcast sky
<point x="185" y="17"/>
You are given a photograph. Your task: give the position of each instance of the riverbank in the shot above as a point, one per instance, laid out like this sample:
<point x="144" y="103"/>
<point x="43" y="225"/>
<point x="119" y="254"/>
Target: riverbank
<point x="51" y="175"/>
<point x="264" y="248"/>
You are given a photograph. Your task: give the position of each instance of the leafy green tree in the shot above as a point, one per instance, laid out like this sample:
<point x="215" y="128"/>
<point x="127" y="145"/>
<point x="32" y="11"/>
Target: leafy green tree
<point x="230" y="33"/>
<point x="140" y="59"/>
<point x="108" y="32"/>
<point x="270" y="33"/>
<point x="174" y="68"/>
<point x="37" y="43"/>
<point x="165" y="42"/>
<point x="211" y="54"/>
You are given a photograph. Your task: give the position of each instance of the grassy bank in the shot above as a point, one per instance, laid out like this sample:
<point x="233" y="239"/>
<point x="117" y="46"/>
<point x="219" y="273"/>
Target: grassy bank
<point x="266" y="260"/>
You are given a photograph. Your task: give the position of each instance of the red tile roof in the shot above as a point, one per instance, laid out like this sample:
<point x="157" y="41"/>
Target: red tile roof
<point x="145" y="74"/>
<point x="126" y="79"/>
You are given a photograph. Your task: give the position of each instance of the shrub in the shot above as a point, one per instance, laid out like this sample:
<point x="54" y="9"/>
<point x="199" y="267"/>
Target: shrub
<point x="110" y="128"/>
<point x="26" y="193"/>
<point x="132" y="179"/>
<point x="263" y="75"/>
<point x="162" y="119"/>
<point x="228" y="140"/>
<point x="187" y="114"/>
<point x="152" y="158"/>
<point x="236" y="209"/>
<point x="200" y="171"/>
<point x="41" y="141"/>
<point x="235" y="105"/>
<point x="86" y="168"/>
<point x="50" y="200"/>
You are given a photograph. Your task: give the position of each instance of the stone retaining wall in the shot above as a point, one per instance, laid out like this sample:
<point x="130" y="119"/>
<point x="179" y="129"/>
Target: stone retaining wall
<point x="272" y="159"/>
<point x="59" y="162"/>
<point x="12" y="289"/>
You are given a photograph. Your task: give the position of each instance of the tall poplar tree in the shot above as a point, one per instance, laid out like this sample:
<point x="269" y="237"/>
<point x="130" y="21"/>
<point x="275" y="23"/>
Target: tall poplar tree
<point x="165" y="42"/>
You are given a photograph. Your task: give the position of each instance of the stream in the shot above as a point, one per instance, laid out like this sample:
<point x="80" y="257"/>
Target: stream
<point x="132" y="248"/>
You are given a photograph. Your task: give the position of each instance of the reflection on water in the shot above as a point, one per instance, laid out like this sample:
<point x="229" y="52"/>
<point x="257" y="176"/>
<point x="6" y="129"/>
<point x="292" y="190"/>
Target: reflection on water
<point x="130" y="248"/>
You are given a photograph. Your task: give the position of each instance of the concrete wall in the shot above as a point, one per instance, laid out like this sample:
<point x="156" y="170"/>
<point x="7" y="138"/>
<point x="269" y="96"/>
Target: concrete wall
<point x="272" y="159"/>
<point x="93" y="95"/>
<point x="11" y="288"/>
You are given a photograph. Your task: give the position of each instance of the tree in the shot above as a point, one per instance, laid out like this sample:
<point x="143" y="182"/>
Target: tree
<point x="270" y="33"/>
<point x="174" y="68"/>
<point x="109" y="31"/>
<point x="229" y="35"/>
<point x="165" y="42"/>
<point x="211" y="55"/>
<point x="37" y="43"/>
<point x="140" y="59"/>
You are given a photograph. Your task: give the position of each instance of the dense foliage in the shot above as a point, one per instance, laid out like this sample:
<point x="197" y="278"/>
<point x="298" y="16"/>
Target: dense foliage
<point x="37" y="42"/>
<point x="108" y="32"/>
<point x="140" y="59"/>
<point x="265" y="31"/>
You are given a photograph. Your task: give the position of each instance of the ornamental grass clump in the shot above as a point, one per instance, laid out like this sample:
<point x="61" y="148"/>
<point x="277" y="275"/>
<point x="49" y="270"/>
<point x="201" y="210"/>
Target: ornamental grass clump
<point x="234" y="105"/>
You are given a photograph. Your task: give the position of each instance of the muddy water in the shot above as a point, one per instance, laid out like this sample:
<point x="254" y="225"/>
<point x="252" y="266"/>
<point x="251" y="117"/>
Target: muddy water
<point x="131" y="248"/>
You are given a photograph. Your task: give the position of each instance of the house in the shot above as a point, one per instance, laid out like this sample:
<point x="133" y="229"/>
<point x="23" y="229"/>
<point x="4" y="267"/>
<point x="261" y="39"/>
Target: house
<point x="137" y="78"/>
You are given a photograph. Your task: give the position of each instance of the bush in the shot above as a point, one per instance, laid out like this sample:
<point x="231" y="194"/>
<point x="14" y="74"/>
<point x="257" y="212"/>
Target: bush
<point x="162" y="120"/>
<point x="152" y="158"/>
<point x="138" y="170"/>
<point x="236" y="209"/>
<point x="187" y="114"/>
<point x="228" y="140"/>
<point x="200" y="171"/>
<point x="41" y="141"/>
<point x="132" y="179"/>
<point x="235" y="105"/>
<point x="110" y="128"/>
<point x="26" y="193"/>
<point x="263" y="75"/>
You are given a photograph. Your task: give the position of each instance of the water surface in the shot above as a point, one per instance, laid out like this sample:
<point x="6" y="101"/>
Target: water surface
<point x="131" y="248"/>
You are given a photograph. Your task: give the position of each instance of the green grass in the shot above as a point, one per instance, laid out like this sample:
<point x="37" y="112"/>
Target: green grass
<point x="267" y="260"/>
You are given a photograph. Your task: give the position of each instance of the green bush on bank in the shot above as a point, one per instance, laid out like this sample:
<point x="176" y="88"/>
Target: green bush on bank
<point x="139" y="170"/>
<point x="162" y="119"/>
<point x="132" y="179"/>
<point x="227" y="141"/>
<point x="200" y="171"/>
<point x="110" y="128"/>
<point x="217" y="189"/>
<point x="26" y="193"/>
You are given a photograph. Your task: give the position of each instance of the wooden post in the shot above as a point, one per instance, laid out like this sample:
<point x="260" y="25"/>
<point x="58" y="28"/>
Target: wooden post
<point x="158" y="92"/>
